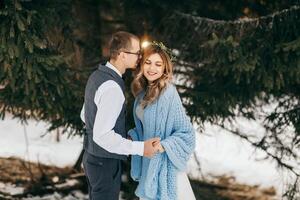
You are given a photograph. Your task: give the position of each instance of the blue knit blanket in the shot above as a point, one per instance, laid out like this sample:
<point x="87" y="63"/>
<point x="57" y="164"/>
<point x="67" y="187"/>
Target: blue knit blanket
<point x="164" y="118"/>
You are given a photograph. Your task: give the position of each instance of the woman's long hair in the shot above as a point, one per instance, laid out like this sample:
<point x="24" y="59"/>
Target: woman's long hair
<point x="154" y="89"/>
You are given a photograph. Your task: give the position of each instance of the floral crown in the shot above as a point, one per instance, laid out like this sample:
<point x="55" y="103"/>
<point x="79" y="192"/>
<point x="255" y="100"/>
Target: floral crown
<point x="162" y="47"/>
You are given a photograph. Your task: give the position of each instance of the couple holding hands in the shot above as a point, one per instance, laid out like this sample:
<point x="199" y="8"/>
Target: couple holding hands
<point x="163" y="138"/>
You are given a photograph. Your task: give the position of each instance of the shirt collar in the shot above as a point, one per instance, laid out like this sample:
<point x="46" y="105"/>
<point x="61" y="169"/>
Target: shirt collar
<point x="109" y="65"/>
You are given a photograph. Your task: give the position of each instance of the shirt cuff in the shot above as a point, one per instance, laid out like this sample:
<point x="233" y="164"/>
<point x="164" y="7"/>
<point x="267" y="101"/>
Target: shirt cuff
<point x="138" y="148"/>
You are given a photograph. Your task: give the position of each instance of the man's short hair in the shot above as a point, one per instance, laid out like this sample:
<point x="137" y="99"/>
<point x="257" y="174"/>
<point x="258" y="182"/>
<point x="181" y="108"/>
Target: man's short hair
<point x="120" y="41"/>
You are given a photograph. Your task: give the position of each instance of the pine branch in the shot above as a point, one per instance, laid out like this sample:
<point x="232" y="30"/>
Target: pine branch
<point x="278" y="14"/>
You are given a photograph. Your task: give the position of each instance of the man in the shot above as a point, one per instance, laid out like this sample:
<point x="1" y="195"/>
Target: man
<point x="103" y="113"/>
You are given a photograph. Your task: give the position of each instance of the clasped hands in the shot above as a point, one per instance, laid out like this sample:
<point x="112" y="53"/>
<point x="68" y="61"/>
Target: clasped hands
<point x="152" y="146"/>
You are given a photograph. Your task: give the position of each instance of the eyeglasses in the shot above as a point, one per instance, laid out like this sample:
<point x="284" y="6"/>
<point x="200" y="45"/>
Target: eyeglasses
<point x="137" y="53"/>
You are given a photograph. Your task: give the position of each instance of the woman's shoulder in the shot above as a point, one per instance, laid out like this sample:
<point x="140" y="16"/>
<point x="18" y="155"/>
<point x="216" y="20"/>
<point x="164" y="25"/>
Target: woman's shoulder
<point x="139" y="96"/>
<point x="169" y="91"/>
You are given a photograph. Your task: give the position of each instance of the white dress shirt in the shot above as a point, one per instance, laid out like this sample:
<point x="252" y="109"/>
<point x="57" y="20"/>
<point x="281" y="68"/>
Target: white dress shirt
<point x="109" y="99"/>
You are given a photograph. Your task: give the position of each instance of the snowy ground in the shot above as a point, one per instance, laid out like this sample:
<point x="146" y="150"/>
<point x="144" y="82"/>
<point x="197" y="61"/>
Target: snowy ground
<point x="219" y="153"/>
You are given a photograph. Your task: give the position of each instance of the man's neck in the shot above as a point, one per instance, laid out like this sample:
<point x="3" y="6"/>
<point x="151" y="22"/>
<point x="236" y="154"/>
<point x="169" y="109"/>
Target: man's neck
<point x="118" y="66"/>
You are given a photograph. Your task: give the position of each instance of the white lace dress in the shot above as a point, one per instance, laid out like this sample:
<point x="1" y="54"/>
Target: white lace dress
<point x="184" y="189"/>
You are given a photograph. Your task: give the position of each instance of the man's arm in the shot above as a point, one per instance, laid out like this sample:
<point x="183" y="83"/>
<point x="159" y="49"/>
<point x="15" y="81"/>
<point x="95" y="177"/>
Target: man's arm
<point x="109" y="99"/>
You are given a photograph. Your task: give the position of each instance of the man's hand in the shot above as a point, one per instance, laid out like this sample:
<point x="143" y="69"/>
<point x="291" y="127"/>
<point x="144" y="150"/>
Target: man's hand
<point x="149" y="148"/>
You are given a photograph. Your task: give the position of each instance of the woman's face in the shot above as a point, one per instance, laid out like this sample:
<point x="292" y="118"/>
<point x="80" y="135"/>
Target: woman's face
<point x="153" y="67"/>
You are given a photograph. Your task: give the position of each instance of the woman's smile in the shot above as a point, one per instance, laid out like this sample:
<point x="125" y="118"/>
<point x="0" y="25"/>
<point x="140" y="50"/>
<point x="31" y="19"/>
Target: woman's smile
<point x="151" y="73"/>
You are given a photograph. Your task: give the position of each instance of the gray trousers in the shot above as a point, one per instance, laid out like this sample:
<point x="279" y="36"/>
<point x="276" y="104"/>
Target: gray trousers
<point x="103" y="177"/>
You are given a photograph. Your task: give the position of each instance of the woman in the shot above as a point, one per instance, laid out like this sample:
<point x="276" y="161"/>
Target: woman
<point x="158" y="112"/>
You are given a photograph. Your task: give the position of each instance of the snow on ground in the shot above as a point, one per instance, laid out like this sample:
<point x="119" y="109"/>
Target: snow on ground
<point x="219" y="153"/>
<point x="74" y="195"/>
<point x="11" y="188"/>
<point x="41" y="147"/>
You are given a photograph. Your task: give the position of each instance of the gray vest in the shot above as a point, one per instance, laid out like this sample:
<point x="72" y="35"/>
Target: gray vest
<point x="101" y="75"/>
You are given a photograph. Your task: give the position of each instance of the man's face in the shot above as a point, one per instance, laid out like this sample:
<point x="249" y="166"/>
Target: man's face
<point x="133" y="55"/>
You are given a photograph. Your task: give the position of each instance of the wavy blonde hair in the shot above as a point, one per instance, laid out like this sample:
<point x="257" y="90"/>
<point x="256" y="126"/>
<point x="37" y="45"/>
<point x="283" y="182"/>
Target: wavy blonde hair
<point x="140" y="82"/>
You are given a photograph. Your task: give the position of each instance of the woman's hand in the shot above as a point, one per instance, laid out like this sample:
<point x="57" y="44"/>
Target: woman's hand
<point x="157" y="145"/>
